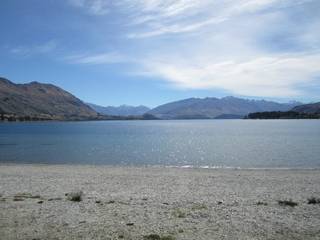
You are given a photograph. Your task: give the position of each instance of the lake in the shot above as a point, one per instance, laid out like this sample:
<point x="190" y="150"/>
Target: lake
<point x="185" y="143"/>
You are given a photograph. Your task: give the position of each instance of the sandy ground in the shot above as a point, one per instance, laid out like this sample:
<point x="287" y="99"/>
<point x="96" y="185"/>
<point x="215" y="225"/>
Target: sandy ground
<point x="171" y="203"/>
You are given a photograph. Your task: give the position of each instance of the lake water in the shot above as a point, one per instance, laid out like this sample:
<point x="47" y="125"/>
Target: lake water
<point x="198" y="143"/>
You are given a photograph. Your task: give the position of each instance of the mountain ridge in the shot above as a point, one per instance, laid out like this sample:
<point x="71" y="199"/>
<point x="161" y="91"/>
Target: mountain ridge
<point x="41" y="101"/>
<point x="311" y="108"/>
<point x="211" y="108"/>
<point x="122" y="110"/>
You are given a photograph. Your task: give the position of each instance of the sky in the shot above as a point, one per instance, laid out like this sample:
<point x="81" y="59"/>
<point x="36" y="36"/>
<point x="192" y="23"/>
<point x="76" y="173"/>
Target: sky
<point x="150" y="52"/>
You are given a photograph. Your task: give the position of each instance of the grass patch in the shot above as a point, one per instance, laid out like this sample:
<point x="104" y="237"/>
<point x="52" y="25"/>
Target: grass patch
<point x="54" y="199"/>
<point x="18" y="199"/>
<point x="169" y="237"/>
<point x="26" y="195"/>
<point x="158" y="237"/>
<point x="75" y="196"/>
<point x="313" y="200"/>
<point x="199" y="206"/>
<point x="287" y="203"/>
<point x="179" y="213"/>
<point x="260" y="203"/>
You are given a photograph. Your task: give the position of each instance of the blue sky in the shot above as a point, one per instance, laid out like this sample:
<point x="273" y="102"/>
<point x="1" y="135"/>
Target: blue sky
<point x="113" y="52"/>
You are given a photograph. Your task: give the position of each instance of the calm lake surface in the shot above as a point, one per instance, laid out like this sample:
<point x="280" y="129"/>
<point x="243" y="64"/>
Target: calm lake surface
<point x="198" y="143"/>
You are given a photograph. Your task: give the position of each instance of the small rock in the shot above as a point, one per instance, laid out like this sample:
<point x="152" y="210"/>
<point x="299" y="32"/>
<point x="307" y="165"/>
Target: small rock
<point x="111" y="201"/>
<point x="40" y="202"/>
<point x="98" y="201"/>
<point x="130" y="224"/>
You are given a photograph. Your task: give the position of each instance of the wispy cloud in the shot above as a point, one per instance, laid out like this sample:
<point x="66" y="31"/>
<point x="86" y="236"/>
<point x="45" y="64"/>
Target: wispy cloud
<point x="94" y="7"/>
<point x="159" y="17"/>
<point x="41" y="48"/>
<point x="95" y="59"/>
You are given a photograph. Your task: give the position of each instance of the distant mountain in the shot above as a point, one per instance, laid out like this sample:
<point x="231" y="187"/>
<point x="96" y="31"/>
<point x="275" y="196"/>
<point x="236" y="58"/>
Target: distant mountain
<point x="215" y="108"/>
<point x="123" y="110"/>
<point x="38" y="101"/>
<point x="313" y="108"/>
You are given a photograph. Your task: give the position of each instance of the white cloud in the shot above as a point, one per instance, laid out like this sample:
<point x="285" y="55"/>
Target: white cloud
<point x="235" y="52"/>
<point x="272" y="76"/>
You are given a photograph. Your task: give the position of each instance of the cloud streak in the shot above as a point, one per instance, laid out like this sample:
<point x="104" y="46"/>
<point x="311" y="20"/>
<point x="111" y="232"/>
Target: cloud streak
<point x="97" y="59"/>
<point x="159" y="17"/>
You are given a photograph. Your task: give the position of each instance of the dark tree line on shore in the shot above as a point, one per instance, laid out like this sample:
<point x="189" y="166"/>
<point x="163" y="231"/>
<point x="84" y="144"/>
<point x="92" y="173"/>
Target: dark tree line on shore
<point x="16" y="118"/>
<point x="4" y="117"/>
<point x="282" y="115"/>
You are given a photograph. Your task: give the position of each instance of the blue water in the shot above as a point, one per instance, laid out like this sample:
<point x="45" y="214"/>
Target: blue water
<point x="198" y="143"/>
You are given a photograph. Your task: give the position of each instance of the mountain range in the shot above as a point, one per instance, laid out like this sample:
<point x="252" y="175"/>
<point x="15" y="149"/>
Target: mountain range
<point x="123" y="110"/>
<point x="215" y="108"/>
<point x="38" y="101"/>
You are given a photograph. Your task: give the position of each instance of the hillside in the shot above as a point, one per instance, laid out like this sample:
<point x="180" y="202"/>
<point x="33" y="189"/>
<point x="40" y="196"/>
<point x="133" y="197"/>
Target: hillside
<point x="38" y="101"/>
<point x="210" y="108"/>
<point x="305" y="111"/>
<point x="313" y="108"/>
<point x="123" y="110"/>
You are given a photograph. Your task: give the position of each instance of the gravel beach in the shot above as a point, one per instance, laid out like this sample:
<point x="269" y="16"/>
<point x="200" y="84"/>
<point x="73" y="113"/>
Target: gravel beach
<point x="157" y="203"/>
